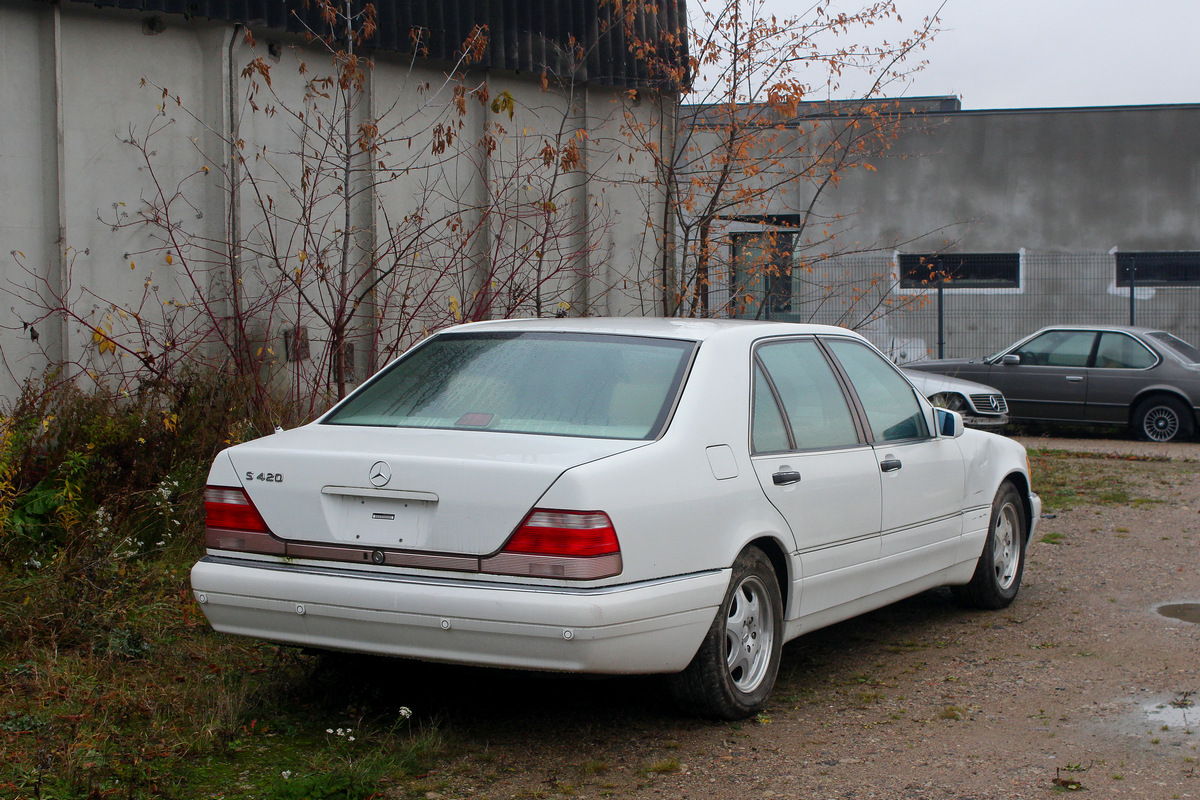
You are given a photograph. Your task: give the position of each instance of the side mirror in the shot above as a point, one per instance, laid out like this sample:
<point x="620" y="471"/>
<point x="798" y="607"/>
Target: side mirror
<point x="949" y="423"/>
<point x="1010" y="360"/>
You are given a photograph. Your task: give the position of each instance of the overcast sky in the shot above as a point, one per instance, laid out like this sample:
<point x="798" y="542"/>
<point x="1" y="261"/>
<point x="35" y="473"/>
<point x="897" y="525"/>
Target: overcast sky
<point x="1050" y="53"/>
<point x="1047" y="53"/>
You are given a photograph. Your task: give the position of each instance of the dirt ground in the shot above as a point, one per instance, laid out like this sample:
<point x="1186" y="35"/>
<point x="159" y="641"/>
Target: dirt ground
<point x="1081" y="685"/>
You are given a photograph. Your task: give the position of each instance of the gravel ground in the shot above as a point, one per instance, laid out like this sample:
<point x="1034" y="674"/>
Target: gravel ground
<point x="1081" y="685"/>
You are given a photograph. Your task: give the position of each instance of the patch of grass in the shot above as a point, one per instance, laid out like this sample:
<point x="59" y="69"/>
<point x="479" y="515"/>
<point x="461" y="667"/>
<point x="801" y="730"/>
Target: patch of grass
<point x="663" y="767"/>
<point x="951" y="712"/>
<point x="1066" y="479"/>
<point x="1052" y="538"/>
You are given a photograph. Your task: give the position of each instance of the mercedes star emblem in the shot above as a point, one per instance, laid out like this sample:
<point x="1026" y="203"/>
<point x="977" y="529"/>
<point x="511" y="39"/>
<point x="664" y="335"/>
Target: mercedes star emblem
<point x="381" y="473"/>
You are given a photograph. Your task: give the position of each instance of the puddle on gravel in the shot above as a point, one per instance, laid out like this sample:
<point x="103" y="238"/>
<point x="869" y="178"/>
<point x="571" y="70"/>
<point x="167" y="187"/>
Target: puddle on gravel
<point x="1186" y="612"/>
<point x="1179" y="713"/>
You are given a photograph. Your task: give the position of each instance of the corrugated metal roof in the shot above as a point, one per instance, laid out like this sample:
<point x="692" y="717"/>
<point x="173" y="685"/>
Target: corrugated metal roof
<point x="523" y="35"/>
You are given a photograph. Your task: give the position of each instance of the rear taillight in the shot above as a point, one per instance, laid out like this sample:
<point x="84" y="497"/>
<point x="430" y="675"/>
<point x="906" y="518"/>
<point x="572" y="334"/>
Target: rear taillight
<point x="230" y="508"/>
<point x="565" y="533"/>
<point x="231" y="522"/>
<point x="578" y="545"/>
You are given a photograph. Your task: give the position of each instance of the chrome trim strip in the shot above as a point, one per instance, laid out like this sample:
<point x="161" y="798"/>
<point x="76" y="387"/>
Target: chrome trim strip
<point x="923" y="523"/>
<point x="469" y="583"/>
<point x="841" y="543"/>
<point x="388" y="494"/>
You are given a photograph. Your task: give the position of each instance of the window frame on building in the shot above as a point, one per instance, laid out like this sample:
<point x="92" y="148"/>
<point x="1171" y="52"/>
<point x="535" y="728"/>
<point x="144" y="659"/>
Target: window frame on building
<point x="1152" y="268"/>
<point x="965" y="271"/>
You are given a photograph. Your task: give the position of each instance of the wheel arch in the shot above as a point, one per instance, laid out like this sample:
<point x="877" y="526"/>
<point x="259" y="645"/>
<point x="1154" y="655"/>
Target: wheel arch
<point x="1021" y="482"/>
<point x="777" y="555"/>
<point x="1160" y="391"/>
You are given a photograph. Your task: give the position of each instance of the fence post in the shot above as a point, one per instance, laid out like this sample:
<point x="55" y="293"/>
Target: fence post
<point x="941" y="314"/>
<point x="1132" y="291"/>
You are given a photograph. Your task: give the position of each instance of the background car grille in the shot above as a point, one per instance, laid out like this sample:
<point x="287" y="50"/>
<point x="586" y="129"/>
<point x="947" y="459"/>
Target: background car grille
<point x="984" y="403"/>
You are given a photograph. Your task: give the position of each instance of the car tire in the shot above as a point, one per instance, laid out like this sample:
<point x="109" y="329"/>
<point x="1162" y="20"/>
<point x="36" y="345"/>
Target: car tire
<point x="733" y="672"/>
<point x="1162" y="419"/>
<point x="998" y="572"/>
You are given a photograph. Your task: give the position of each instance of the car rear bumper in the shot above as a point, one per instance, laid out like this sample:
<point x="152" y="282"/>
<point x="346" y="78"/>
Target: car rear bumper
<point x="649" y="627"/>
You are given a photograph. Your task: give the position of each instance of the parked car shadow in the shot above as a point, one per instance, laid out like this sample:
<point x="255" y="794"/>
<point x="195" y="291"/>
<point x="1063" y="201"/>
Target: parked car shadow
<point x="510" y="702"/>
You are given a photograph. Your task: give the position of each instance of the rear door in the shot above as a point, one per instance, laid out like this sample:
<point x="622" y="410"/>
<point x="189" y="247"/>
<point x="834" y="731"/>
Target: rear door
<point x="815" y="467"/>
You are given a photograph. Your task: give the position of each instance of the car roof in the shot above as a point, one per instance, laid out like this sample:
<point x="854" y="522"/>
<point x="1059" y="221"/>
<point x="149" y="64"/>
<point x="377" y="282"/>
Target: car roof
<point x="1122" y="328"/>
<point x="686" y="328"/>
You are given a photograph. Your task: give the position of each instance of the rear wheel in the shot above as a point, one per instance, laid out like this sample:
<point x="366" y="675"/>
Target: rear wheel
<point x="734" y="670"/>
<point x="998" y="572"/>
<point x="1162" y="419"/>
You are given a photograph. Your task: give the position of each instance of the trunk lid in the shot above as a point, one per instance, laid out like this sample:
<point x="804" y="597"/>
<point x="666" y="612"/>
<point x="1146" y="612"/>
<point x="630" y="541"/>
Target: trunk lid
<point x="438" y="491"/>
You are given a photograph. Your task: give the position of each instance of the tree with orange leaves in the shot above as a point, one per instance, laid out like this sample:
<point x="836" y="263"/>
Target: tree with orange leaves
<point x="755" y="145"/>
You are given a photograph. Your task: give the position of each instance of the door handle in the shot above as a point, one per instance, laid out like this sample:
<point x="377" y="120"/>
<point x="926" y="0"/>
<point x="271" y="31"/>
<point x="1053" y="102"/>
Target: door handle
<point x="1074" y="378"/>
<point x="890" y="464"/>
<point x="785" y="477"/>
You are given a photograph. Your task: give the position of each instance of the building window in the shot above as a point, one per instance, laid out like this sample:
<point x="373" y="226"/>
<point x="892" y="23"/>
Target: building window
<point x="1159" y="269"/>
<point x="762" y="274"/>
<point x="960" y="270"/>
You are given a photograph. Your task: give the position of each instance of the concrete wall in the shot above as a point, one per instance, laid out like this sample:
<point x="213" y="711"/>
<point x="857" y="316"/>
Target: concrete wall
<point x="79" y="84"/>
<point x="1062" y="187"/>
<point x="1065" y="180"/>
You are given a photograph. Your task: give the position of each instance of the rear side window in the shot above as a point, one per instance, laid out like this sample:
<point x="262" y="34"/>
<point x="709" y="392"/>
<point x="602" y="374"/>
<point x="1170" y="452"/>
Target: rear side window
<point x="816" y="414"/>
<point x="1121" y="351"/>
<point x="602" y="386"/>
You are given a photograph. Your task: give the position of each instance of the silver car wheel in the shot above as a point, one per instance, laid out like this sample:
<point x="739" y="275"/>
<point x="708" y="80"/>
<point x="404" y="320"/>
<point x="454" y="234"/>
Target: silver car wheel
<point x="749" y="634"/>
<point x="1161" y="424"/>
<point x="1006" y="547"/>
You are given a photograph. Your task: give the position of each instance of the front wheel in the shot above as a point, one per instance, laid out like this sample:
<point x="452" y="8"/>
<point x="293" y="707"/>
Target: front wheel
<point x="1162" y="419"/>
<point x="734" y="670"/>
<point x="998" y="572"/>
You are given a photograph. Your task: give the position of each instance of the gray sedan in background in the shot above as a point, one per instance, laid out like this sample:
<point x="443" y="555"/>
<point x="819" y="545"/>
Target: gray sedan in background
<point x="1104" y="374"/>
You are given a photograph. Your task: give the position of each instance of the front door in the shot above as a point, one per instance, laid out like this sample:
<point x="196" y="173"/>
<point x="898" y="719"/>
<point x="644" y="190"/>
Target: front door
<point x="1051" y="382"/>
<point x="923" y="477"/>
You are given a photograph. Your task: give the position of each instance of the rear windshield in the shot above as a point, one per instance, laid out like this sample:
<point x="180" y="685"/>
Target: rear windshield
<point x="1182" y="348"/>
<point x="602" y="386"/>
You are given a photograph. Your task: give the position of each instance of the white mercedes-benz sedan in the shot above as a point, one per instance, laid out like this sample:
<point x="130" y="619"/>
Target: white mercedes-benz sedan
<point x="613" y="496"/>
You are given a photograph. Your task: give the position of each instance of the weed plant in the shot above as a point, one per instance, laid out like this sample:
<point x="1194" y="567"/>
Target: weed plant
<point x="112" y="684"/>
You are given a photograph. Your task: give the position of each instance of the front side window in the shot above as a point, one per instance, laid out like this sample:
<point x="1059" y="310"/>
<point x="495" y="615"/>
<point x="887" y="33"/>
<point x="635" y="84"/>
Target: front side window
<point x="1058" y="349"/>
<point x="1122" y="351"/>
<point x="815" y="413"/>
<point x="604" y="386"/>
<point x="889" y="401"/>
